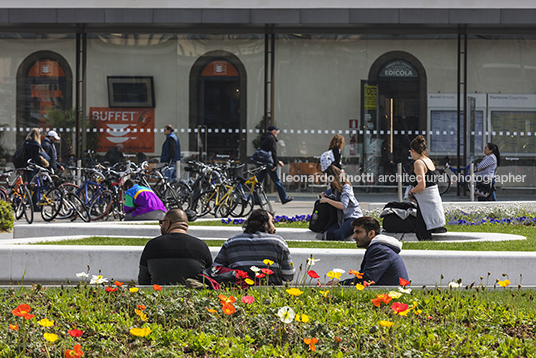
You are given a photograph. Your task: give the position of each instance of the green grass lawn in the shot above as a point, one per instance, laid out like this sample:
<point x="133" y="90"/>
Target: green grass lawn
<point x="519" y="245"/>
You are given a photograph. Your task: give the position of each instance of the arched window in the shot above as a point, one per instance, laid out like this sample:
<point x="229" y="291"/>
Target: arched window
<point x="44" y="79"/>
<point x="218" y="106"/>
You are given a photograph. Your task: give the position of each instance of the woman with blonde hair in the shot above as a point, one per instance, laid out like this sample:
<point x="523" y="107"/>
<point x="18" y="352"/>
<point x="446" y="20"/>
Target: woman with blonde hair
<point x="430" y="214"/>
<point x="341" y="196"/>
<point x="33" y="149"/>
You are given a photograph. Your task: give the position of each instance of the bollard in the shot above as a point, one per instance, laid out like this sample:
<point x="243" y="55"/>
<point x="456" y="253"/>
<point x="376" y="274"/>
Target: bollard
<point x="79" y="172"/>
<point x="472" y="182"/>
<point x="399" y="181"/>
<point x="178" y="169"/>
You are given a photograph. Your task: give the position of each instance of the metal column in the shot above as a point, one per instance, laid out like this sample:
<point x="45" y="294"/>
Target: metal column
<point x="462" y="81"/>
<point x="269" y="65"/>
<point x="80" y="93"/>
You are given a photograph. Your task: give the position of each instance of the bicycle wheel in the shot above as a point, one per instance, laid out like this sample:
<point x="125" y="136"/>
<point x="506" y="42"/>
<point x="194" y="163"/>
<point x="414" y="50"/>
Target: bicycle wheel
<point x="206" y="203"/>
<point x="443" y="182"/>
<point x="3" y="194"/>
<point x="263" y="199"/>
<point x="228" y="204"/>
<point x="101" y="205"/>
<point x="171" y="199"/>
<point x="22" y="204"/>
<point x="51" y="204"/>
<point x="239" y="202"/>
<point x="79" y="208"/>
<point x="73" y="188"/>
<point x="184" y="194"/>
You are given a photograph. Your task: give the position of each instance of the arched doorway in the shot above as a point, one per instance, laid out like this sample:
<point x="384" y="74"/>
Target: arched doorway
<point x="400" y="81"/>
<point x="44" y="79"/>
<point x="218" y="106"/>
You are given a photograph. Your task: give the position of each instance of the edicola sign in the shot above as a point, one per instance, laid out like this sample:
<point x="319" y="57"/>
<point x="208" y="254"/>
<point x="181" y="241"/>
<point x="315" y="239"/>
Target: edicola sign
<point x="399" y="69"/>
<point x="132" y="127"/>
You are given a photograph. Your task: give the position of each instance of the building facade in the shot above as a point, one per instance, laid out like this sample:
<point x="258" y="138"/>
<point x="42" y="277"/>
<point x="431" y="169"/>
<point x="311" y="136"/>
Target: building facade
<point x="221" y="74"/>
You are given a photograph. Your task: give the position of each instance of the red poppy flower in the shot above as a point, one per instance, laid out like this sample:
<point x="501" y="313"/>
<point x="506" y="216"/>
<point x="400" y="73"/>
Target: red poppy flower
<point x="228" y="308"/>
<point x="259" y="275"/>
<point x="75" y="333"/>
<point x="338" y="339"/>
<point x="118" y="283"/>
<point x="367" y="284"/>
<point x="312" y="274"/>
<point x="22" y="310"/>
<point x="242" y="274"/>
<point x="111" y="289"/>
<point x="140" y="307"/>
<point x="267" y="271"/>
<point x="157" y="287"/>
<point x="76" y="352"/>
<point x="403" y="282"/>
<point x="29" y="316"/>
<point x="248" y="299"/>
<point x="399" y="307"/>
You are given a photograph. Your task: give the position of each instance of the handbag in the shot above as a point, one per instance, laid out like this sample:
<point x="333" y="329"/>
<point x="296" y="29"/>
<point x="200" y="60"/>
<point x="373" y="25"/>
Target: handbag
<point x="263" y="156"/>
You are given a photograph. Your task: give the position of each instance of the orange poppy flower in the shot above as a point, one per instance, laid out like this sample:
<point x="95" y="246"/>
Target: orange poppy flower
<point x="29" y="316"/>
<point x="356" y="274"/>
<point x="228" y="308"/>
<point x="368" y="283"/>
<point x="210" y="310"/>
<point x="22" y="310"/>
<point x="381" y="298"/>
<point x="157" y="287"/>
<point x="76" y="352"/>
<point x="140" y="307"/>
<point x="225" y="299"/>
<point x="14" y="327"/>
<point x="311" y="343"/>
<point x="118" y="283"/>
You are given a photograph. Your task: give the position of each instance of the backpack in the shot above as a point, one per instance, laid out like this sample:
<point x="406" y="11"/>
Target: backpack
<point x="19" y="158"/>
<point x="323" y="217"/>
<point x="399" y="217"/>
<point x="326" y="159"/>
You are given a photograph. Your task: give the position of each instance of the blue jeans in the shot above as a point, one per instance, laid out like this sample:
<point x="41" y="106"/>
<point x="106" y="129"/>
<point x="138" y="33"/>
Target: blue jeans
<point x="336" y="233"/>
<point x="170" y="173"/>
<point x="275" y="178"/>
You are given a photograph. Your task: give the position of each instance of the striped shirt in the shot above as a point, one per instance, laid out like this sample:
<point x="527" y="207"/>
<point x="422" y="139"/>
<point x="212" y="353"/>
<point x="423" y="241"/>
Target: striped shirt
<point x="487" y="166"/>
<point x="242" y="251"/>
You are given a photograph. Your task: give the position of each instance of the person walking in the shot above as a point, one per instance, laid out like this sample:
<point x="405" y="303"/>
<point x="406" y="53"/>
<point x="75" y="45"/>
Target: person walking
<point x="269" y="143"/>
<point x="49" y="148"/>
<point x="430" y="213"/>
<point x="171" y="151"/>
<point x="487" y="168"/>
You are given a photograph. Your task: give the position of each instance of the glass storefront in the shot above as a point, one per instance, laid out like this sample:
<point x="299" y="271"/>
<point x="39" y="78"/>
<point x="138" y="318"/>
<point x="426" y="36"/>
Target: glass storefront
<point x="378" y="91"/>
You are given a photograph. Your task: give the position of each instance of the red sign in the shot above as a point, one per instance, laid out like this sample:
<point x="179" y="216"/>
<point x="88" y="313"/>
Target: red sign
<point x="132" y="127"/>
<point x="353" y="123"/>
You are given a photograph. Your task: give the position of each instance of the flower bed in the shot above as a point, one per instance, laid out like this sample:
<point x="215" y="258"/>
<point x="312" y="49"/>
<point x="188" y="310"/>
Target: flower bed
<point x="105" y="319"/>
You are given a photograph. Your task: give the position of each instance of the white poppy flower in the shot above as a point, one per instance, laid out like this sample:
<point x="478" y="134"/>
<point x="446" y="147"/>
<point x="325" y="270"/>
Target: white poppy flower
<point x="82" y="274"/>
<point x="286" y="314"/>
<point x="95" y="280"/>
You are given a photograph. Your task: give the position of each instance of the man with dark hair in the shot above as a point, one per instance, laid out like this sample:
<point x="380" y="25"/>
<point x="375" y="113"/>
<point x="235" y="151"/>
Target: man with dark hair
<point x="141" y="203"/>
<point x="50" y="149"/>
<point x="174" y="256"/>
<point x="382" y="262"/>
<point x="171" y="150"/>
<point x="115" y="154"/>
<point x="268" y="144"/>
<point x="255" y="247"/>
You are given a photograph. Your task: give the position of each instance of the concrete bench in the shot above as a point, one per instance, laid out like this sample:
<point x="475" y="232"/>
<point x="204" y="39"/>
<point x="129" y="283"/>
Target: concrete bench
<point x="57" y="264"/>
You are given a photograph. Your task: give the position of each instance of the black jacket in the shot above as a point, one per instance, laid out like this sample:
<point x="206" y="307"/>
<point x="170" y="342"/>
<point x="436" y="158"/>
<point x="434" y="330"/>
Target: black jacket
<point x="34" y="151"/>
<point x="50" y="149"/>
<point x="269" y="143"/>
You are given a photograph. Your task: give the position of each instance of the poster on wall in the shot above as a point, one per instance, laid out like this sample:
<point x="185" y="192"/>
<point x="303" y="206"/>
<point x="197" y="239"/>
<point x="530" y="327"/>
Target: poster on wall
<point x="132" y="127"/>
